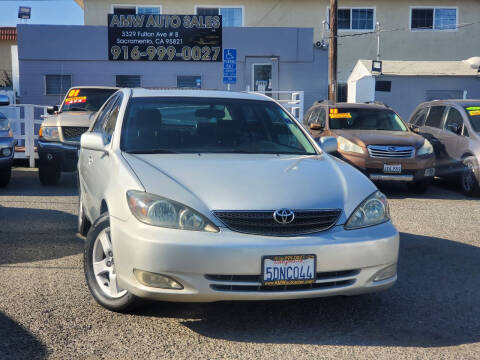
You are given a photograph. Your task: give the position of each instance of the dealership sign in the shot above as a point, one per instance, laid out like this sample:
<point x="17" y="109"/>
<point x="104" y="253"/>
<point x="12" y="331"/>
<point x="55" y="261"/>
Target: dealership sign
<point x="164" y="38"/>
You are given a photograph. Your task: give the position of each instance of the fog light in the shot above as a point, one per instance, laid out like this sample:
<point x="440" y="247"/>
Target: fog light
<point x="156" y="280"/>
<point x="386" y="273"/>
<point x="6" y="152"/>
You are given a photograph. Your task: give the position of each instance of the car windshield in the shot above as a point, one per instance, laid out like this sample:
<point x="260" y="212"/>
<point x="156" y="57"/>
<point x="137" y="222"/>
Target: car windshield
<point x="86" y="99"/>
<point x="365" y="119"/>
<point x="209" y="125"/>
<point x="474" y="115"/>
<point x="4" y="123"/>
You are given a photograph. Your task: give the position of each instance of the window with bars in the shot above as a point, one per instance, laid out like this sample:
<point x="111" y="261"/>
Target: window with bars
<point x="133" y="10"/>
<point x="355" y="18"/>
<point x="57" y="84"/>
<point x="128" y="81"/>
<point x="433" y="18"/>
<point x="189" y="81"/>
<point x="231" y="16"/>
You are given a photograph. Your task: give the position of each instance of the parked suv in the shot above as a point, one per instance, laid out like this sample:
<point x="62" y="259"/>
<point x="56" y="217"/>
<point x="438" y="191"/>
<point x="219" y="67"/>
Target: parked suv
<point x="59" y="136"/>
<point x="374" y="139"/>
<point x="453" y="128"/>
<point x="7" y="146"/>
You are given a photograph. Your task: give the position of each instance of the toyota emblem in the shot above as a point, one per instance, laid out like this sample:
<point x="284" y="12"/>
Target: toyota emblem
<point x="392" y="148"/>
<point x="284" y="216"/>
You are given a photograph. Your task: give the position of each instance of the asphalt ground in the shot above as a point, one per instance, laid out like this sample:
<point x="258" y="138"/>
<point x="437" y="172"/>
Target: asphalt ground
<point x="432" y="312"/>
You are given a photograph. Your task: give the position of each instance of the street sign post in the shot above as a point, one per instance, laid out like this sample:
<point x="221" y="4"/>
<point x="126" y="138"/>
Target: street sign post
<point x="229" y="67"/>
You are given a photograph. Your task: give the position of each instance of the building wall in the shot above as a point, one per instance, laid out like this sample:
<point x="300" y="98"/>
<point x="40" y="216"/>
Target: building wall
<point x="46" y="49"/>
<point x="6" y="57"/>
<point x="401" y="44"/>
<point x="409" y="91"/>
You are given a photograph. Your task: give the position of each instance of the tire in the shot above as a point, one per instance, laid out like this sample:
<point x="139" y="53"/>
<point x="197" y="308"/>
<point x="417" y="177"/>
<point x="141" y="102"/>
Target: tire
<point x="419" y="187"/>
<point x="49" y="175"/>
<point x="102" y="281"/>
<point x="5" y="176"/>
<point x="83" y="223"/>
<point x="468" y="181"/>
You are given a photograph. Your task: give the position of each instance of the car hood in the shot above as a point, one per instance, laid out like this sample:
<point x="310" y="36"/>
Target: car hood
<point x="382" y="137"/>
<point x="70" y="118"/>
<point x="253" y="182"/>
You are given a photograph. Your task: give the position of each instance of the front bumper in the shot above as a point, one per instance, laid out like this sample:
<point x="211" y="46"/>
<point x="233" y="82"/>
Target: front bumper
<point x="415" y="169"/>
<point x="188" y="257"/>
<point x="56" y="153"/>
<point x="6" y="161"/>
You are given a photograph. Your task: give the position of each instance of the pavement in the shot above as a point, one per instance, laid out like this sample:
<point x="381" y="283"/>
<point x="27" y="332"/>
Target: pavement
<point x="46" y="310"/>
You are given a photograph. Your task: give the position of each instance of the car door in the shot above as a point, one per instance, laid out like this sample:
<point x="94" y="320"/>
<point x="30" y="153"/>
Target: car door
<point x="453" y="139"/>
<point x="432" y="130"/>
<point x="91" y="160"/>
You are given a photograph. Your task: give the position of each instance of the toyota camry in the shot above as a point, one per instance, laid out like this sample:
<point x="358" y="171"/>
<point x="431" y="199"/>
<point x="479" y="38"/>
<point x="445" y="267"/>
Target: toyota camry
<point x="190" y="195"/>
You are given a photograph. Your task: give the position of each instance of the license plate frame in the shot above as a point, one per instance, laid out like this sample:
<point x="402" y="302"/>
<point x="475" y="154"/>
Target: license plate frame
<point x="306" y="258"/>
<point x="392" y="168"/>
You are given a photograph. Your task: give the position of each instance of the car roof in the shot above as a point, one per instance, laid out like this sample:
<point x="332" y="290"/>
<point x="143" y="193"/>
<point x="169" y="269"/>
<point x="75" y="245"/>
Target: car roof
<point x="140" y="92"/>
<point x="341" y="105"/>
<point x="452" y="101"/>
<point x="96" y="87"/>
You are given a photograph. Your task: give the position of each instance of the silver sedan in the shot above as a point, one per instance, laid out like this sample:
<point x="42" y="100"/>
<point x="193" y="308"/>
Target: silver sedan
<point x="209" y="196"/>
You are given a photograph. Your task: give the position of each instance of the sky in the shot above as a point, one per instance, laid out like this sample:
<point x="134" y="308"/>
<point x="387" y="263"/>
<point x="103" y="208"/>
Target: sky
<point x="57" y="12"/>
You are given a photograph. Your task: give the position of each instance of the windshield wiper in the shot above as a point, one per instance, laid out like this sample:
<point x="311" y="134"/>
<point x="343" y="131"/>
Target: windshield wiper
<point x="151" y="151"/>
<point x="77" y="109"/>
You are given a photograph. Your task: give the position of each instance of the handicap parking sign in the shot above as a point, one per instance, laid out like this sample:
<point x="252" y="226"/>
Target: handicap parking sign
<point x="229" y="66"/>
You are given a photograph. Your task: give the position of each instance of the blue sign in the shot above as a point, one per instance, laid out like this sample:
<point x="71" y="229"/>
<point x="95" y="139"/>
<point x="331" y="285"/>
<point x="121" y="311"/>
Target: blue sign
<point x="229" y="66"/>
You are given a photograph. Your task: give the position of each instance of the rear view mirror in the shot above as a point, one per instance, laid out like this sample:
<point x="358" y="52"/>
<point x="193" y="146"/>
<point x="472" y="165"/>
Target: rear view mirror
<point x="329" y="144"/>
<point x="52" y="109"/>
<point x="92" y="141"/>
<point x="4" y="100"/>
<point x="315" y="126"/>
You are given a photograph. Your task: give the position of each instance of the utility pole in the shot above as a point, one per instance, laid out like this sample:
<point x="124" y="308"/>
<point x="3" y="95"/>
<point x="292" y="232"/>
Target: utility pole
<point x="332" y="53"/>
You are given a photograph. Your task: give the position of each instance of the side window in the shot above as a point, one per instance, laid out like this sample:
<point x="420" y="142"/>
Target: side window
<point x="103" y="113"/>
<point x="435" y="116"/>
<point x="314" y="117"/>
<point x="306" y="117"/>
<point x="321" y="117"/>
<point x="111" y="120"/>
<point x="454" y="121"/>
<point x="418" y="119"/>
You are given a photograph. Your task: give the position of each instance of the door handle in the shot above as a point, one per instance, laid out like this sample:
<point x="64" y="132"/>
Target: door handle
<point x="90" y="160"/>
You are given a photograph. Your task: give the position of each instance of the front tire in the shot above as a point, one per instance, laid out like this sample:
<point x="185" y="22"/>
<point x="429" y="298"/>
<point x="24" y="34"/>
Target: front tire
<point x="5" y="175"/>
<point x="49" y="175"/>
<point x="468" y="180"/>
<point x="99" y="268"/>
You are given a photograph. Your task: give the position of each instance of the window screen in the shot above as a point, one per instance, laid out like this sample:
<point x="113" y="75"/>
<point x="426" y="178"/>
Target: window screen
<point x="57" y="84"/>
<point x="186" y="81"/>
<point x="362" y="19"/>
<point x="147" y="10"/>
<point x="422" y="19"/>
<point x="128" y="81"/>
<point x="343" y="19"/>
<point x="231" y="17"/>
<point x="434" y="118"/>
<point x="124" y="10"/>
<point x="382" y="85"/>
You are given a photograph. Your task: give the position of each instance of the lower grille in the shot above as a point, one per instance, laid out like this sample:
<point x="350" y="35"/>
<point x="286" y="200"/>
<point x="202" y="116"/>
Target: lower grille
<point x="73" y="133"/>
<point x="391" y="152"/>
<point x="263" y="222"/>
<point x="324" y="280"/>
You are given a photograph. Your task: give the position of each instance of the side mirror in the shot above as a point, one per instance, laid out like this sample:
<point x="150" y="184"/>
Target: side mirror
<point x="454" y="128"/>
<point x="329" y="144"/>
<point x="315" y="126"/>
<point x="4" y="100"/>
<point x="52" y="109"/>
<point x="92" y="141"/>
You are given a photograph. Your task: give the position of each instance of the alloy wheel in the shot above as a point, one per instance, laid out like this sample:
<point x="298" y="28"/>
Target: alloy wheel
<point x="104" y="266"/>
<point x="468" y="178"/>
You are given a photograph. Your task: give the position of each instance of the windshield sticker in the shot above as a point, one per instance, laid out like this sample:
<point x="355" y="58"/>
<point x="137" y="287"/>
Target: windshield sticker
<point x="474" y="112"/>
<point x="341" y="116"/>
<point x="473" y="108"/>
<point x="73" y="93"/>
<point x="76" y="100"/>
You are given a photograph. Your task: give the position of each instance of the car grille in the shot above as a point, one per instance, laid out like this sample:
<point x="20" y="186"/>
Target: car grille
<point x="395" y="152"/>
<point x="73" y="133"/>
<point x="263" y="223"/>
<point x="324" y="280"/>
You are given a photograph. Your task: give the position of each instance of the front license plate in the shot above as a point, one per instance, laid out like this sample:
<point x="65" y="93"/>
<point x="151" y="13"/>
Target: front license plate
<point x="288" y="269"/>
<point x="392" y="168"/>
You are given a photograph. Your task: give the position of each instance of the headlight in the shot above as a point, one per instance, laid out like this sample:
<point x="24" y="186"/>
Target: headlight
<point x="426" y="148"/>
<point x="348" y="146"/>
<point x="372" y="211"/>
<point x="49" y="133"/>
<point x="6" y="152"/>
<point x="158" y="211"/>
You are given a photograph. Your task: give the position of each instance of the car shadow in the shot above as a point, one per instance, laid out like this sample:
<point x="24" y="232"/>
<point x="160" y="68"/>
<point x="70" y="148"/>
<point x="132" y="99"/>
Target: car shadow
<point x="28" y="235"/>
<point x="18" y="343"/>
<point x="25" y="182"/>
<point x="434" y="304"/>
<point x="439" y="190"/>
